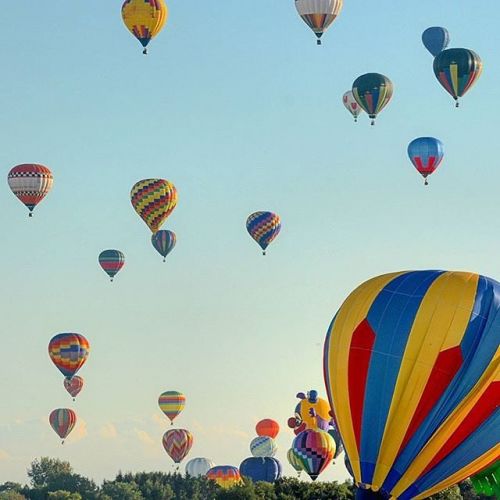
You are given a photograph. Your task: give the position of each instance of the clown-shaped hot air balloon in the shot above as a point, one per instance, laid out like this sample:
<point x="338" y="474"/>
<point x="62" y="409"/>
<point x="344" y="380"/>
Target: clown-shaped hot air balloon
<point x="263" y="227"/>
<point x="171" y="403"/>
<point x="411" y="364"/>
<point x="62" y="420"/>
<point x="69" y="351"/>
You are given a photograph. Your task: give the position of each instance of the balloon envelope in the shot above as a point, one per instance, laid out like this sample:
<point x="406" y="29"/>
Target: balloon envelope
<point x="351" y="104"/>
<point x="171" y="403"/>
<point x="198" y="467"/>
<point x="314" y="450"/>
<point x="435" y="39"/>
<point x="69" y="351"/>
<point x="267" y="427"/>
<point x="426" y="154"/>
<point x="226" y="476"/>
<point x="372" y="92"/>
<point x="73" y="385"/>
<point x="319" y="14"/>
<point x="294" y="460"/>
<point x="164" y="242"/>
<point x="177" y="443"/>
<point x="411" y="369"/>
<point x="266" y="469"/>
<point x="263" y="227"/>
<point x="63" y="421"/>
<point x="30" y="182"/>
<point x="263" y="446"/>
<point x="111" y="262"/>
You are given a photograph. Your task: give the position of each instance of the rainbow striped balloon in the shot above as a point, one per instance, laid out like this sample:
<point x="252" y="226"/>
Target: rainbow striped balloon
<point x="62" y="420"/>
<point x="263" y="227"/>
<point x="226" y="476"/>
<point x="171" y="403"/>
<point x="154" y="200"/>
<point x="177" y="443"/>
<point x="69" y="351"/>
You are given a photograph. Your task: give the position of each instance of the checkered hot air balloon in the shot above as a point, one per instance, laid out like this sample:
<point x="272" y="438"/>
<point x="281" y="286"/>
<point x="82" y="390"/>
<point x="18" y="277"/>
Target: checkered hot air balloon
<point x="171" y="403"/>
<point x="30" y="182"/>
<point x="154" y="200"/>
<point x="411" y="366"/>
<point x="111" y="262"/>
<point x="73" y="385"/>
<point x="177" y="443"/>
<point x="263" y="227"/>
<point x="69" y="351"/>
<point x="164" y="242"/>
<point x="314" y="450"/>
<point x="62" y="420"/>
<point x="226" y="476"/>
<point x="144" y="19"/>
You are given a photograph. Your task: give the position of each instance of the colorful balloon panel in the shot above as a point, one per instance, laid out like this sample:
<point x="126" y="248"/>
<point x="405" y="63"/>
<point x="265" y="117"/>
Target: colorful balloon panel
<point x="111" y="262"/>
<point x="265" y="469"/>
<point x="263" y="446"/>
<point x="263" y="227"/>
<point x="164" y="242"/>
<point x="267" y="427"/>
<point x="457" y="70"/>
<point x="171" y="403"/>
<point x="30" y="182"/>
<point x="314" y="450"/>
<point x="319" y="14"/>
<point x="411" y="365"/>
<point x="198" y="467"/>
<point x="372" y="92"/>
<point x="426" y="154"/>
<point x="351" y="105"/>
<point x="226" y="476"/>
<point x="177" y="443"/>
<point x="63" y="421"/>
<point x="435" y="39"/>
<point x="73" y="385"/>
<point x="154" y="200"/>
<point x="294" y="460"/>
<point x="144" y="18"/>
<point x="69" y="351"/>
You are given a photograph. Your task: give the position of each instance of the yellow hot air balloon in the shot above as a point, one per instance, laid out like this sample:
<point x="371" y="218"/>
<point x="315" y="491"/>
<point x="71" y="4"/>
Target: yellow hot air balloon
<point x="144" y="19"/>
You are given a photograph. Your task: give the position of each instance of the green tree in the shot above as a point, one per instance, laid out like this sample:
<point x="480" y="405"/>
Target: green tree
<point x="452" y="493"/>
<point x="63" y="495"/>
<point x="11" y="495"/>
<point x="115" y="490"/>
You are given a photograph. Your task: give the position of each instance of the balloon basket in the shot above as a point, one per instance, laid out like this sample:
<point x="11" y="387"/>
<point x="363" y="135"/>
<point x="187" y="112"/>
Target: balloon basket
<point x="318" y="42"/>
<point x="30" y="214"/>
<point x="145" y="52"/>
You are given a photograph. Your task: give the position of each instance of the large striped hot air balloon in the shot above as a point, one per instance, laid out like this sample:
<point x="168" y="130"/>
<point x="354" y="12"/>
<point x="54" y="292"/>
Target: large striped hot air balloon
<point x="164" y="242"/>
<point x="411" y="365"/>
<point x="177" y="443"/>
<point x="171" y="403"/>
<point x="457" y="70"/>
<point x="111" y="262"/>
<point x="426" y="154"/>
<point x="69" y="351"/>
<point x="372" y="92"/>
<point x="73" y="385"/>
<point x="263" y="227"/>
<point x="226" y="476"/>
<point x="30" y="182"/>
<point x="319" y="14"/>
<point x="144" y="19"/>
<point x="314" y="450"/>
<point x="154" y="200"/>
<point x="63" y="421"/>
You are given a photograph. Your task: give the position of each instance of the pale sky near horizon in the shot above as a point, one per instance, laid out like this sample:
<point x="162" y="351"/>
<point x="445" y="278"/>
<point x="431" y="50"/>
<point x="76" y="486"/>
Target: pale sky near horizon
<point x="238" y="107"/>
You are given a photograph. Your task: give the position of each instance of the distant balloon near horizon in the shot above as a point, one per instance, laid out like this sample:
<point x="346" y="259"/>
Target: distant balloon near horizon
<point x="426" y="154"/>
<point x="319" y="14"/>
<point x="111" y="262"/>
<point x="411" y="366"/>
<point x="267" y="427"/>
<point x="30" y="182"/>
<point x="164" y="242"/>
<point x="435" y="39"/>
<point x="457" y="70"/>
<point x="226" y="476"/>
<point x="73" y="385"/>
<point x="372" y="91"/>
<point x="198" y="467"/>
<point x="263" y="446"/>
<point x="352" y="105"/>
<point x="144" y="19"/>
<point x="267" y="469"/>
<point x="263" y="227"/>
<point x="63" y="421"/>
<point x="177" y="444"/>
<point x="172" y="403"/>
<point x="69" y="352"/>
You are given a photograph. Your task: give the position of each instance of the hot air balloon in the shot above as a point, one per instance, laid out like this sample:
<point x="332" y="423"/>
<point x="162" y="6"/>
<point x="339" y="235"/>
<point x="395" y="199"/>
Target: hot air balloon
<point x="144" y="19"/>
<point x="487" y="482"/>
<point x="263" y="227"/>
<point x="314" y="450"/>
<point x="63" y="421"/>
<point x="30" y="182"/>
<point x="319" y="14"/>
<point x="339" y="447"/>
<point x="69" y="351"/>
<point x="372" y="92"/>
<point x="267" y="427"/>
<point x="457" y="70"/>
<point x="351" y="104"/>
<point x="226" y="476"/>
<point x="263" y="446"/>
<point x="435" y="39"/>
<point x="265" y="469"/>
<point x="177" y="443"/>
<point x="426" y="154"/>
<point x="73" y="385"/>
<point x="164" y="242"/>
<point x="312" y="413"/>
<point x="171" y="403"/>
<point x="198" y="467"/>
<point x="411" y="369"/>
<point x="294" y="461"/>
<point x="111" y="261"/>
<point x="154" y="200"/>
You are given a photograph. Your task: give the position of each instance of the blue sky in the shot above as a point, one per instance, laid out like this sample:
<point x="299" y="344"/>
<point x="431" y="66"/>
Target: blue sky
<point x="239" y="108"/>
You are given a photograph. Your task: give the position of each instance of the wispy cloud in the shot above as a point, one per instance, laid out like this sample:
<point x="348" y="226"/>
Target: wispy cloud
<point x="79" y="432"/>
<point x="144" y="437"/>
<point x="4" y="455"/>
<point x="108" y="431"/>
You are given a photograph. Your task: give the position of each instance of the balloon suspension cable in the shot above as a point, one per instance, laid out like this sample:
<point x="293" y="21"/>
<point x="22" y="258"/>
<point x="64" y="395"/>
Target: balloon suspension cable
<point x="145" y="52"/>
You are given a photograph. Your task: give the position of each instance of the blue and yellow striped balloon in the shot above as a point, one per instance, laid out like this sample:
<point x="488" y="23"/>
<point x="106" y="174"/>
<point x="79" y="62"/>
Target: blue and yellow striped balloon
<point x="412" y="369"/>
<point x="263" y="227"/>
